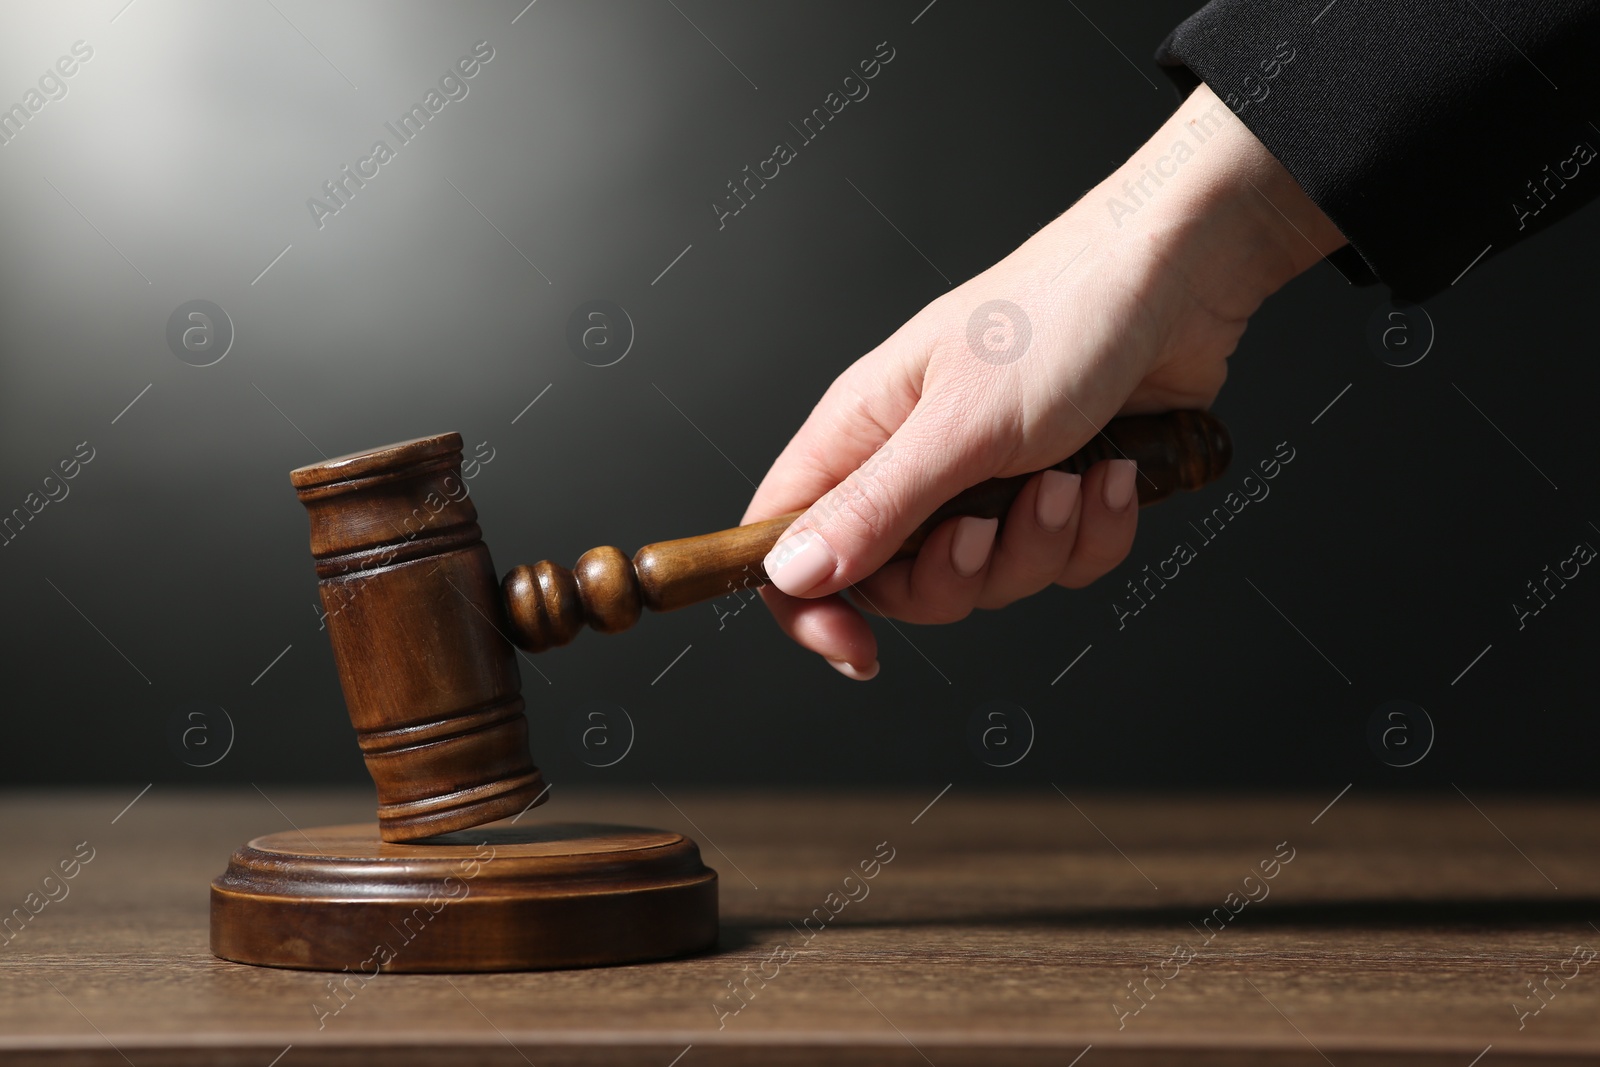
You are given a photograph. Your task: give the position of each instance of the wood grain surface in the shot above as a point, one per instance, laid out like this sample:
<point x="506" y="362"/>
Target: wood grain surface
<point x="982" y="929"/>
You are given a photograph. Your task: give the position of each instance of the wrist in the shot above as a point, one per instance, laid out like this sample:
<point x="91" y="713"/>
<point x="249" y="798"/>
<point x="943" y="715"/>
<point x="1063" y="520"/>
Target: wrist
<point x="1216" y="210"/>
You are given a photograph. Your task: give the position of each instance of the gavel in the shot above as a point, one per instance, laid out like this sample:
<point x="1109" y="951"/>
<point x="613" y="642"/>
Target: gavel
<point x="423" y="633"/>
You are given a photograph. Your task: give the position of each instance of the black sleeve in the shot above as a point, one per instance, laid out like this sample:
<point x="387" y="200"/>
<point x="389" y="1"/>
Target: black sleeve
<point x="1432" y="132"/>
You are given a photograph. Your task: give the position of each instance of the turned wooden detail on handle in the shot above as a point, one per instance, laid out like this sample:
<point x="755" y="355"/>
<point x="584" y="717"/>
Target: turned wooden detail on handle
<point x="547" y="605"/>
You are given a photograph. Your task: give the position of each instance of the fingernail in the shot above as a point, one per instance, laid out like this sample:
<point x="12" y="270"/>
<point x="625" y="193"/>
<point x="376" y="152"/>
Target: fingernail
<point x="1119" y="483"/>
<point x="797" y="563"/>
<point x="969" y="549"/>
<point x="1058" y="495"/>
<point x="854" y="673"/>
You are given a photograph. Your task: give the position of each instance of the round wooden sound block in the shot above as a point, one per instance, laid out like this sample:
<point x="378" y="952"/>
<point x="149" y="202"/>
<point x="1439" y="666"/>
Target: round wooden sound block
<point x="488" y="899"/>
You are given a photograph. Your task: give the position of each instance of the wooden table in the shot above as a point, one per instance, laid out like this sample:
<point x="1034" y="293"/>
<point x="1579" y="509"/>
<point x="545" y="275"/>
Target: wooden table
<point x="1005" y="929"/>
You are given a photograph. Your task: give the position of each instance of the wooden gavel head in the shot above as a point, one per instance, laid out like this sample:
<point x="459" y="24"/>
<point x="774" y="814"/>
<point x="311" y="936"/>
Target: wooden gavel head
<point x="423" y="633"/>
<point x="414" y="613"/>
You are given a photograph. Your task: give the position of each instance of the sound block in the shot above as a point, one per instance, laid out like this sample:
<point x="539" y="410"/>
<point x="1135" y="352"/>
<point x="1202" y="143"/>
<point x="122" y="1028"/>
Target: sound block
<point x="507" y="898"/>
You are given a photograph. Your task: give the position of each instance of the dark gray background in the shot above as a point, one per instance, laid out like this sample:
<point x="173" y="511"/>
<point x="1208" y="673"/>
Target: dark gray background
<point x="178" y="166"/>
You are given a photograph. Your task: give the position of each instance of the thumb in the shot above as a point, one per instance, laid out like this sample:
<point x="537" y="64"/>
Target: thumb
<point x="857" y="526"/>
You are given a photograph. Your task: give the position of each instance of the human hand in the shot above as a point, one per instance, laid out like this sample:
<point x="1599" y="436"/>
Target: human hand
<point x="1129" y="302"/>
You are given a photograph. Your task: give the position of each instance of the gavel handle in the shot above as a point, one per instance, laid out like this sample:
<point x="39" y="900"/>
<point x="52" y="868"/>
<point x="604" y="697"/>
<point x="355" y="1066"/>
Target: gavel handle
<point x="548" y="605"/>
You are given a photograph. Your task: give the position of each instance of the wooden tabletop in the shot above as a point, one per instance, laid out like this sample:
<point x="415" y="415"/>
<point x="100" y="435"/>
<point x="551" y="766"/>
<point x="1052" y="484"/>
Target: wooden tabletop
<point x="996" y="930"/>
